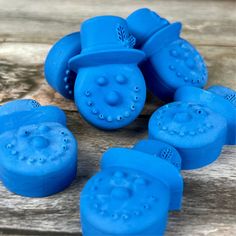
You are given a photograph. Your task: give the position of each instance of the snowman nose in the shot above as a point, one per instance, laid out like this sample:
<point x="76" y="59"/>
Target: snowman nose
<point x="182" y="117"/>
<point x="40" y="142"/>
<point x="113" y="98"/>
<point x="120" y="193"/>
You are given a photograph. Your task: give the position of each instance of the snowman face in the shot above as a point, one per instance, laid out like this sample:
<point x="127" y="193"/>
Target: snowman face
<point x="186" y="124"/>
<point x="124" y="201"/>
<point x="110" y="96"/>
<point x="33" y="147"/>
<point x="180" y="64"/>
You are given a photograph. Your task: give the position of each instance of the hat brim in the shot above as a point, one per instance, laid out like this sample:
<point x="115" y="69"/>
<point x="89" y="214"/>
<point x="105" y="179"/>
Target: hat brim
<point x="121" y="56"/>
<point x="161" y="38"/>
<point x="38" y="115"/>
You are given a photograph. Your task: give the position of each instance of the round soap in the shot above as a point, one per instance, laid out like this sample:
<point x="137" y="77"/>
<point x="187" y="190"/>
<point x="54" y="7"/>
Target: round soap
<point x="194" y="130"/>
<point x="38" y="160"/>
<point x="175" y="65"/>
<point x="120" y="201"/>
<point x="57" y="72"/>
<point x="110" y="96"/>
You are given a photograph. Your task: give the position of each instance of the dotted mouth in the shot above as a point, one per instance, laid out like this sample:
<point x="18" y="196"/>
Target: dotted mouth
<point x="183" y="120"/>
<point x="112" y="99"/>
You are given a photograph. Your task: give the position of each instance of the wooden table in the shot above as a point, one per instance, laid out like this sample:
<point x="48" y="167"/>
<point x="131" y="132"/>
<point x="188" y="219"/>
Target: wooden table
<point x="27" y="31"/>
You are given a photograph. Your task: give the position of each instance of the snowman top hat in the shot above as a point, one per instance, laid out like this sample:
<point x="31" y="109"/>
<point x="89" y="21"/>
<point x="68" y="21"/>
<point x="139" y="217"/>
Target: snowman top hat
<point x="143" y="23"/>
<point x="22" y="112"/>
<point x="152" y="31"/>
<point x="105" y="40"/>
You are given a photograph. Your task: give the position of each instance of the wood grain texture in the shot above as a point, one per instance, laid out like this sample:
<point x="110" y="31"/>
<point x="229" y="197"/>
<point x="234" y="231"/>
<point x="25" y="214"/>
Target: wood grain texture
<point x="27" y="31"/>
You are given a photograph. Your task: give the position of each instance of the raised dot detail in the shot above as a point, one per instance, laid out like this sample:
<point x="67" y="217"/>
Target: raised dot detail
<point x="102" y="81"/>
<point x="119" y="118"/>
<point x="9" y="146"/>
<point x="14" y="152"/>
<point x="94" y="111"/>
<point x="136" y="88"/>
<point x="89" y="103"/>
<point x="87" y="93"/>
<point x="127" y="114"/>
<point x="179" y="74"/>
<point x="121" y="79"/>
<point x="174" y="53"/>
<point x="101" y="117"/>
<point x="109" y="119"/>
<point x="66" y="79"/>
<point x="125" y="217"/>
<point x="132" y="107"/>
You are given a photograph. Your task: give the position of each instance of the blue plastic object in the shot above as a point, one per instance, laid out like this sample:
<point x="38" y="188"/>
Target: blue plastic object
<point x="57" y="72"/>
<point x="197" y="132"/>
<point x="38" y="154"/>
<point x="110" y="89"/>
<point x="219" y="99"/>
<point x="133" y="192"/>
<point x="171" y="62"/>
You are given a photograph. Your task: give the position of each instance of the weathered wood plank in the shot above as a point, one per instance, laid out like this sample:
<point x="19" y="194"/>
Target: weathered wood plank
<point x="22" y="73"/>
<point x="211" y="22"/>
<point x="209" y="203"/>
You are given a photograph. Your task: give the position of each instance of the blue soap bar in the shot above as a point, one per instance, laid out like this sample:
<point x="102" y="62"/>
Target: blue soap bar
<point x="110" y="89"/>
<point x="132" y="193"/>
<point x="219" y="99"/>
<point x="56" y="70"/>
<point x="171" y="62"/>
<point x="197" y="132"/>
<point x="38" y="154"/>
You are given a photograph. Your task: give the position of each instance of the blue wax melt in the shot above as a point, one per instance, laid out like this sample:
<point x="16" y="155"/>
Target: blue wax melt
<point x="197" y="132"/>
<point x="57" y="72"/>
<point x="171" y="62"/>
<point x="38" y="154"/>
<point x="133" y="192"/>
<point x="219" y="99"/>
<point x="110" y="89"/>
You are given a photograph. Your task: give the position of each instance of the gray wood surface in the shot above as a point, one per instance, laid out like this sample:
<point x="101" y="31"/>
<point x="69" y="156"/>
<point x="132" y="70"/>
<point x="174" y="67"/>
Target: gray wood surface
<point x="27" y="31"/>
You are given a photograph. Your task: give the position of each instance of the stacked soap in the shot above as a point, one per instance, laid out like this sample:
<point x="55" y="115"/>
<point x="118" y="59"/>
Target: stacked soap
<point x="104" y="69"/>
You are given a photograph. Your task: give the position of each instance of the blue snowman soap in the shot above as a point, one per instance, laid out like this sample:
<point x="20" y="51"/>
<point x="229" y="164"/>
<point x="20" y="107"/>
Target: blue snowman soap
<point x="132" y="193"/>
<point x="56" y="70"/>
<point x="171" y="62"/>
<point x="109" y="89"/>
<point x="197" y="132"/>
<point x="219" y="99"/>
<point x="38" y="154"/>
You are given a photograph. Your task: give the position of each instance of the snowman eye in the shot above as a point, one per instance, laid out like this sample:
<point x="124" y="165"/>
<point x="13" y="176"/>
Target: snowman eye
<point x="102" y="81"/>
